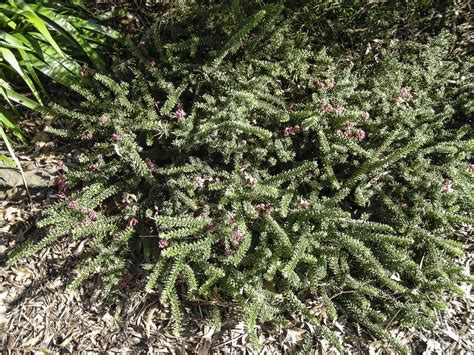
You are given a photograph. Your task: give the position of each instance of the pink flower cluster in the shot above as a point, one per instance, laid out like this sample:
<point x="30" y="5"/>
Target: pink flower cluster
<point x="94" y="167"/>
<point x="350" y="131"/>
<point x="60" y="182"/>
<point x="237" y="237"/>
<point x="448" y="186"/>
<point x="132" y="222"/>
<point x="102" y="119"/>
<point x="304" y="204"/>
<point x="162" y="243"/>
<point x="73" y="204"/>
<point x="328" y="108"/>
<point x="198" y="182"/>
<point x="152" y="63"/>
<point x="89" y="212"/>
<point x="116" y="137"/>
<point x="338" y="109"/>
<point x="249" y="179"/>
<point x="365" y="116"/>
<point x="291" y="131"/>
<point x="125" y="280"/>
<point x="325" y="85"/>
<point x="405" y="95"/>
<point x="179" y="113"/>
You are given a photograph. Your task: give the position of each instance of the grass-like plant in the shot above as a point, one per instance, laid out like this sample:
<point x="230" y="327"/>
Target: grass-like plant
<point x="44" y="40"/>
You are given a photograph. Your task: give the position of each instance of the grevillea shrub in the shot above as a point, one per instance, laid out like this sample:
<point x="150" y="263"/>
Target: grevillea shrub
<point x="250" y="166"/>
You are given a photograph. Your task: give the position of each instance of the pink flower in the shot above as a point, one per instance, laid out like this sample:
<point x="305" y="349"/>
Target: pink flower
<point x="290" y="131"/>
<point x="73" y="204"/>
<point x="399" y="100"/>
<point x="179" y="113"/>
<point x="58" y="179"/>
<point x="469" y="168"/>
<point x="94" y="167"/>
<point x="290" y="107"/>
<point x="249" y="179"/>
<point x="102" y="119"/>
<point x="152" y="63"/>
<point x="350" y="125"/>
<point x="210" y="225"/>
<point x="329" y="84"/>
<point x="365" y="116"/>
<point x="347" y="133"/>
<point x="115" y="137"/>
<point x="149" y="164"/>
<point x="60" y="162"/>
<point x="162" y="243"/>
<point x="229" y="253"/>
<point x="360" y="134"/>
<point x="87" y="135"/>
<point x="320" y="83"/>
<point x="83" y="210"/>
<point x="304" y="204"/>
<point x="132" y="222"/>
<point x="93" y="215"/>
<point x="125" y="280"/>
<point x="198" y="182"/>
<point x="238" y="236"/>
<point x="448" y="186"/>
<point x="328" y="108"/>
<point x="260" y="207"/>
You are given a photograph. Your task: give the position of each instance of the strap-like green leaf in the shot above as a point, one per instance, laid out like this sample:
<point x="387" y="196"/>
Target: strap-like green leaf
<point x="11" y="59"/>
<point x="36" y="21"/>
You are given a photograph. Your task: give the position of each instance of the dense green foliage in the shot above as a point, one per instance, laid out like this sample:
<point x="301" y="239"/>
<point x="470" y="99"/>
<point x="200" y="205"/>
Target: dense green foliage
<point x="49" y="39"/>
<point x="247" y="164"/>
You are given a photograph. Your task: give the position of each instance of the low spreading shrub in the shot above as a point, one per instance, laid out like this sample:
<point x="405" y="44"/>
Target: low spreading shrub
<point x="250" y="166"/>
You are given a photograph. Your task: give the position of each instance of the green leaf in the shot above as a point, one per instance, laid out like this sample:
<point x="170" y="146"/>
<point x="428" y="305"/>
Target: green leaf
<point x="69" y="31"/>
<point x="9" y="94"/>
<point x="6" y="118"/>
<point x="28" y="60"/>
<point x="11" y="59"/>
<point x="37" y="22"/>
<point x="7" y="160"/>
<point x="64" y="70"/>
<point x="12" y="42"/>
